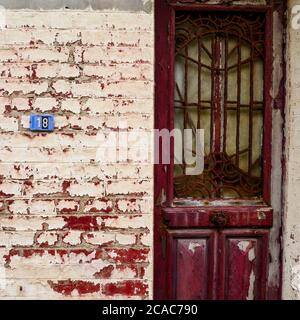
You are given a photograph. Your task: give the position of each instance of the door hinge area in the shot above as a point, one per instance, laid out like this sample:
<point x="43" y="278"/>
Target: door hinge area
<point x="163" y="237"/>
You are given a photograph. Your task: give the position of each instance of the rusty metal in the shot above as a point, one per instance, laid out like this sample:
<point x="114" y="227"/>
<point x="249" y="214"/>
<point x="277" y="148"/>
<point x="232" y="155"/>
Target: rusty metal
<point x="224" y="175"/>
<point x="220" y="174"/>
<point x="219" y="219"/>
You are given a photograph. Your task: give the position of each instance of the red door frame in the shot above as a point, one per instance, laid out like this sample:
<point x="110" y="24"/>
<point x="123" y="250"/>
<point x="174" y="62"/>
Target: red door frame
<point x="164" y="75"/>
<point x="166" y="54"/>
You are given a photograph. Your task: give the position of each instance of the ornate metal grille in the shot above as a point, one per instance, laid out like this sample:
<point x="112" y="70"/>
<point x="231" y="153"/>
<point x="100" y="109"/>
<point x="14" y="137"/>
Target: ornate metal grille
<point x="219" y="81"/>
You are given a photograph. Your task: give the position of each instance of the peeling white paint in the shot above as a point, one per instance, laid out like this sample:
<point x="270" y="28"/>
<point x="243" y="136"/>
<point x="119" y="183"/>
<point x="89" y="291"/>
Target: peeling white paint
<point x="243" y="245"/>
<point x="193" y="246"/>
<point x="250" y="295"/>
<point x="261" y="215"/>
<point x="251" y="254"/>
<point x="295" y="278"/>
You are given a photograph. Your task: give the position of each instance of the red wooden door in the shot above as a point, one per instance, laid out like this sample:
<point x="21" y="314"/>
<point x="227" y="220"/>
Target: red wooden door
<point x="212" y="229"/>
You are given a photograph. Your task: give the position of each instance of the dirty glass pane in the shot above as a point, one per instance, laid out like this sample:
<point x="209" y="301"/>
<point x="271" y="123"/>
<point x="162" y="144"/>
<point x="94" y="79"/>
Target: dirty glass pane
<point x="219" y="81"/>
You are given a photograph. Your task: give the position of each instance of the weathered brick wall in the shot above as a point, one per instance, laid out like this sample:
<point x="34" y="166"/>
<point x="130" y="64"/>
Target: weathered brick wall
<point x="69" y="225"/>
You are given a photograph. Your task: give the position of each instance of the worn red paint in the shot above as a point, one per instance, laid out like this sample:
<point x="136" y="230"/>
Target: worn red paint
<point x="90" y="236"/>
<point x="104" y="273"/>
<point x="33" y="70"/>
<point x="142" y="272"/>
<point x="86" y="223"/>
<point x="126" y="288"/>
<point x="66" y="185"/>
<point x="12" y="252"/>
<point x="70" y="135"/>
<point x="239" y="268"/>
<point x="128" y="255"/>
<point x="66" y="287"/>
<point x="69" y="210"/>
<point x="28" y="253"/>
<point x="96" y="210"/>
<point x="28" y="184"/>
<point x="131" y="201"/>
<point x="243" y="216"/>
<point x="61" y="95"/>
<point x="8" y="109"/>
<point x="3" y="194"/>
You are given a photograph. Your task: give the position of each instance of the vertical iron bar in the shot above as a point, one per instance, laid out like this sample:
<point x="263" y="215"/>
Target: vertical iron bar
<point x="251" y="109"/>
<point x="212" y="102"/>
<point x="218" y="105"/>
<point x="225" y="92"/>
<point x="238" y="107"/>
<point x="217" y="95"/>
<point x="199" y="81"/>
<point x="186" y="49"/>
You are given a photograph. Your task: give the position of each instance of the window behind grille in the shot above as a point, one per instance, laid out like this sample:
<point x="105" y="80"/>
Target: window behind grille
<point x="219" y="71"/>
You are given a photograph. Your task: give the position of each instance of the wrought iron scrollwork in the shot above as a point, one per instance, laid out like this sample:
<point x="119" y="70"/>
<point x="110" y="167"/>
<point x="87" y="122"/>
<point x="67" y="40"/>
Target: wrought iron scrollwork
<point x="233" y="45"/>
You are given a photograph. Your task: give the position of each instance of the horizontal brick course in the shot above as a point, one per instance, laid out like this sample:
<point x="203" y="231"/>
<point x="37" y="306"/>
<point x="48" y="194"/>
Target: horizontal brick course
<point x="70" y="225"/>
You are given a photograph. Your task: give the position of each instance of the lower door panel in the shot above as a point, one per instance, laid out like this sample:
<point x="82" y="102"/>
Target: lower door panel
<point x="243" y="260"/>
<point x="217" y="264"/>
<point x="192" y="264"/>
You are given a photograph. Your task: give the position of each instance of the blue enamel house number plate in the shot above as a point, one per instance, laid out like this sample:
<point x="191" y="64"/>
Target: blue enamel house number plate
<point x="41" y="122"/>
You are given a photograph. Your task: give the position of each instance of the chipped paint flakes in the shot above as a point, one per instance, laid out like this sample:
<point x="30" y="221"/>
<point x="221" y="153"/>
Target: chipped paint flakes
<point x="250" y="295"/>
<point x="193" y="246"/>
<point x="251" y="254"/>
<point x="243" y="245"/>
<point x="247" y="247"/>
<point x="295" y="279"/>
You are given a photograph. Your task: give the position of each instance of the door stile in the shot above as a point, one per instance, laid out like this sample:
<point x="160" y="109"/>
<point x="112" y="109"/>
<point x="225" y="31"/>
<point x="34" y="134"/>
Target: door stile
<point x="162" y="101"/>
<point x="268" y="102"/>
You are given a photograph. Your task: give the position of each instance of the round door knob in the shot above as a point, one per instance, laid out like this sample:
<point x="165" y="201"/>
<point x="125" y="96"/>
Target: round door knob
<point x="219" y="219"/>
